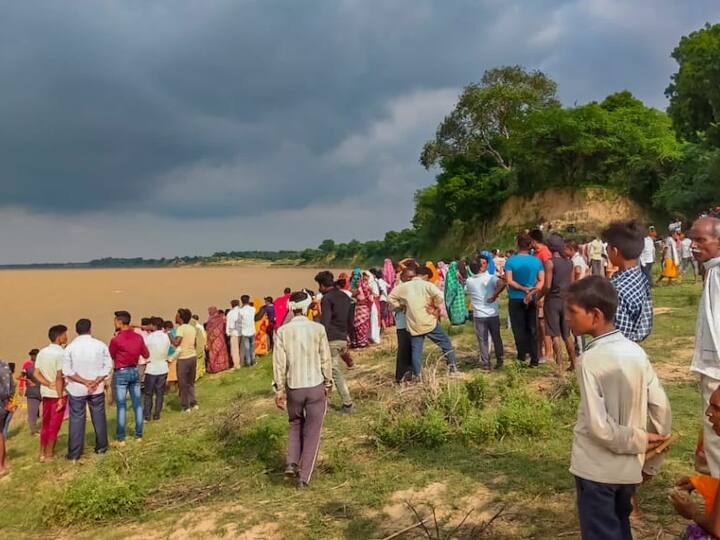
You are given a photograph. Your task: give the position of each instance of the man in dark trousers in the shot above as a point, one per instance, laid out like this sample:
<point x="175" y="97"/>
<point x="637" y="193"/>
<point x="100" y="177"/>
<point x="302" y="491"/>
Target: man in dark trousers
<point x="335" y="309"/>
<point x="86" y="365"/>
<point x="302" y="378"/>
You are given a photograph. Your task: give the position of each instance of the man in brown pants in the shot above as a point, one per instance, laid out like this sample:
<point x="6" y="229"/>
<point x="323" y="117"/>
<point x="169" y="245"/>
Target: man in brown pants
<point x="302" y="378"/>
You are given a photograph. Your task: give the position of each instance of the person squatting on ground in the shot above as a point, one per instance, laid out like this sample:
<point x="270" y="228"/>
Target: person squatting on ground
<point x="302" y="379"/>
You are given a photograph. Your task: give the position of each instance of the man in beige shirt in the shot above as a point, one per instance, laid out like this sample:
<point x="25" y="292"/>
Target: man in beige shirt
<point x="623" y="416"/>
<point x="422" y="301"/>
<point x="302" y="379"/>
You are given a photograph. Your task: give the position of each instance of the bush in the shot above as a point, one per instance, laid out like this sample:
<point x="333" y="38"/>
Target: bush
<point x="478" y="390"/>
<point x="479" y="429"/>
<point x="455" y="405"/>
<point x="262" y="443"/>
<point x="520" y="414"/>
<point x="96" y="498"/>
<point x="428" y="430"/>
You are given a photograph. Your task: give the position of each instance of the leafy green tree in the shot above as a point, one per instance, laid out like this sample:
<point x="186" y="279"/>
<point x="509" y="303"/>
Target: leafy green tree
<point x="327" y="246"/>
<point x="487" y="115"/>
<point x="694" y="92"/>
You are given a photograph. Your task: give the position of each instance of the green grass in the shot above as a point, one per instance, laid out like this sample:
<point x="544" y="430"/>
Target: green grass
<point x="505" y="436"/>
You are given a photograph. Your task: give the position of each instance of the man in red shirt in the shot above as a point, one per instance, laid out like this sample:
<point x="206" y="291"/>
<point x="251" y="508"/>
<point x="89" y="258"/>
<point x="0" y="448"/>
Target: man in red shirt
<point x="542" y="252"/>
<point x="126" y="348"/>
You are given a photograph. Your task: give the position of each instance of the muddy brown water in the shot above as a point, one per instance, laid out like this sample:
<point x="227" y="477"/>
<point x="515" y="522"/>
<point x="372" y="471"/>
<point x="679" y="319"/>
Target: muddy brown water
<point x="34" y="300"/>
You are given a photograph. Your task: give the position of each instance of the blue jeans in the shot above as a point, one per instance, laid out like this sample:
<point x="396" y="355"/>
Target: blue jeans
<point x="439" y="338"/>
<point x="247" y="344"/>
<point x="128" y="379"/>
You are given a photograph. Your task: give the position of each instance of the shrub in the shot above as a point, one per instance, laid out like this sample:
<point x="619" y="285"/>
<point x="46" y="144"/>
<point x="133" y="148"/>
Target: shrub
<point x="478" y="390"/>
<point x="520" y="414"/>
<point x="96" y="498"/>
<point x="455" y="405"/>
<point x="262" y="443"/>
<point x="479" y="429"/>
<point x="428" y="430"/>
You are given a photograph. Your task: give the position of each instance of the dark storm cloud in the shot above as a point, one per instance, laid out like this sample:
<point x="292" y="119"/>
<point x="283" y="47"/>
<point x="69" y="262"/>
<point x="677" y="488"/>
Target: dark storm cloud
<point x="208" y="109"/>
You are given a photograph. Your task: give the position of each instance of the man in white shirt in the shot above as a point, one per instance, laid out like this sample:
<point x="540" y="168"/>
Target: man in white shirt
<point x="687" y="260"/>
<point x="48" y="370"/>
<point x="246" y="328"/>
<point x="647" y="257"/>
<point x="86" y="365"/>
<point x="231" y="321"/>
<point x="705" y="234"/>
<point x="156" y="372"/>
<point x="484" y="289"/>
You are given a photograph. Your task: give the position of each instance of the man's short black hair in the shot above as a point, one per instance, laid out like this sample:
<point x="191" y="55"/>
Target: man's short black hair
<point x="627" y="236"/>
<point x="269" y="299"/>
<point x="56" y="331"/>
<point x="325" y="279"/>
<point x="298" y="296"/>
<point x="234" y="303"/>
<point x="83" y="327"/>
<point x="536" y="234"/>
<point x="524" y="242"/>
<point x="423" y="271"/>
<point x="594" y="292"/>
<point x="158" y="322"/>
<point x="123" y="316"/>
<point x="245" y="299"/>
<point x="145" y="321"/>
<point x="475" y="267"/>
<point x="287" y="290"/>
<point x="33" y="352"/>
<point x="168" y="325"/>
<point x="185" y="315"/>
<point x="341" y="283"/>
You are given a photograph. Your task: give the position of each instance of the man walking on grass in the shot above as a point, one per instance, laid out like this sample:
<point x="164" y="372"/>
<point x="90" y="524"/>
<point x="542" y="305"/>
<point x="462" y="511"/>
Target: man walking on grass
<point x="86" y="365"/>
<point x="335" y="308"/>
<point x="302" y="379"/>
<point x="705" y="234"/>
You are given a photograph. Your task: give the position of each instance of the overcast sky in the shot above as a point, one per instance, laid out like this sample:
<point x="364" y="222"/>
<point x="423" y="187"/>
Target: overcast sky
<point x="167" y="127"/>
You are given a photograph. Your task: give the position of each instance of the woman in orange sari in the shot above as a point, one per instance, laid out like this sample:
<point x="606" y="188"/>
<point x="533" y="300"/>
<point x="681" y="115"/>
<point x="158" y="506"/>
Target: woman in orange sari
<point x="262" y="324"/>
<point x="435" y="274"/>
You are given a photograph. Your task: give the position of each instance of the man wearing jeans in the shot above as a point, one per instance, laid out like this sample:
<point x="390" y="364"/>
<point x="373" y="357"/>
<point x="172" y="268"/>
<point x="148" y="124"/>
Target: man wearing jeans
<point x="126" y="348"/>
<point x="484" y="288"/>
<point x="525" y="276"/>
<point x="86" y="365"/>
<point x="246" y="330"/>
<point x="422" y="302"/>
<point x="335" y="317"/>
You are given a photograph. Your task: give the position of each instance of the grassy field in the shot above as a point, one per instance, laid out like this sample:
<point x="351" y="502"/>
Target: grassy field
<point x="481" y="456"/>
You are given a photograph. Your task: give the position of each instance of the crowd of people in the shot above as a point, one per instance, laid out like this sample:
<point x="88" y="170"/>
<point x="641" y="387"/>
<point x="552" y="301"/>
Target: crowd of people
<point x="560" y="292"/>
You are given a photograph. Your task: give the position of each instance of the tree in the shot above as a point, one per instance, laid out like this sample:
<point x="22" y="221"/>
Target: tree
<point x="694" y="92"/>
<point x="487" y="114"/>
<point x="327" y="246"/>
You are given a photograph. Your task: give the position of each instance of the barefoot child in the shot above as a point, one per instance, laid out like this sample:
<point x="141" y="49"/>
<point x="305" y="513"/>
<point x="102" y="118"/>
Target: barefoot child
<point x="623" y="414"/>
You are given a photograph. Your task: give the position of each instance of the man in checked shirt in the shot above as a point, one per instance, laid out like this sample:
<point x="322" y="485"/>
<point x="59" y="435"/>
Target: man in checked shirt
<point x="634" y="317"/>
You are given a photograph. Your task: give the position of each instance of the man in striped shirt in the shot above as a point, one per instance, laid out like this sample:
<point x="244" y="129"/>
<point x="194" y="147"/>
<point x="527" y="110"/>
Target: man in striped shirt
<point x="302" y="379"/>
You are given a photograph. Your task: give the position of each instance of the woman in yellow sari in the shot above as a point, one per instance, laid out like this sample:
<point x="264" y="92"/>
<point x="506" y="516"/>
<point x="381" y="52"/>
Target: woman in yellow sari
<point x="435" y="274"/>
<point x="262" y="324"/>
<point x="670" y="259"/>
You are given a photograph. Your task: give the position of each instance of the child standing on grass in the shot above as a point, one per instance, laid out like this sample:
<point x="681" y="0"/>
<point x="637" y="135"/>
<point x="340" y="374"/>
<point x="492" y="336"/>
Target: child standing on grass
<point x="623" y="414"/>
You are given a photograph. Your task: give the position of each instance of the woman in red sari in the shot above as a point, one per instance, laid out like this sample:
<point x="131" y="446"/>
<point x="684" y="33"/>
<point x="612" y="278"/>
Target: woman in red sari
<point x="360" y="335"/>
<point x="216" y="344"/>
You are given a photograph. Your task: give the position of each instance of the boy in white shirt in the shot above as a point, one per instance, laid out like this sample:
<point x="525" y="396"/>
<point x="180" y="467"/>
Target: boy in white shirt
<point x="623" y="414"/>
<point x="484" y="289"/>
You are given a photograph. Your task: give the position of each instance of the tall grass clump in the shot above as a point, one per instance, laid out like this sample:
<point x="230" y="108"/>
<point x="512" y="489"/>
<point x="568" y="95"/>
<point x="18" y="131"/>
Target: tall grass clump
<point x="431" y="413"/>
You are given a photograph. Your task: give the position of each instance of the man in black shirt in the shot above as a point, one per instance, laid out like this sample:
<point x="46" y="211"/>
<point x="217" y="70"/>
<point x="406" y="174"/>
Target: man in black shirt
<point x="335" y="313"/>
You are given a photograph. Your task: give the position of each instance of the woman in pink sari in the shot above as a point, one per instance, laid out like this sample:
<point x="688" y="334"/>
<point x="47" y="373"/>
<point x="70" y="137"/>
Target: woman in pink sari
<point x="388" y="274"/>
<point x="360" y="335"/>
<point x="216" y="344"/>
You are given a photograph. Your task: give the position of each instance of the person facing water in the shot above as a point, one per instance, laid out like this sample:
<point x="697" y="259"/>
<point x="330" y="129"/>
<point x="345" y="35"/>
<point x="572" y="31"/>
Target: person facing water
<point x="184" y="340"/>
<point x="126" y="349"/>
<point x="623" y="414"/>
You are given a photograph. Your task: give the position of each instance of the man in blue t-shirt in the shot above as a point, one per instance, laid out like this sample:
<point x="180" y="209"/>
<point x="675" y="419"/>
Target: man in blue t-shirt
<point x="525" y="276"/>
